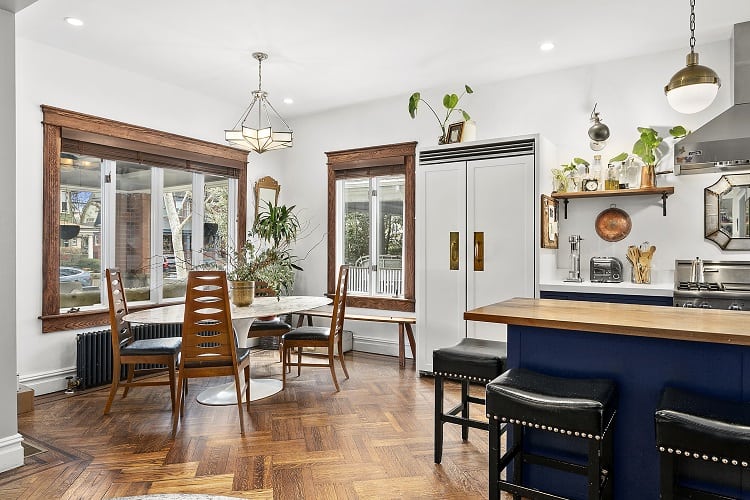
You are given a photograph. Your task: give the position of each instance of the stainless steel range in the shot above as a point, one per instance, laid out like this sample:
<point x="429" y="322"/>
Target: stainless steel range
<point x="712" y="284"/>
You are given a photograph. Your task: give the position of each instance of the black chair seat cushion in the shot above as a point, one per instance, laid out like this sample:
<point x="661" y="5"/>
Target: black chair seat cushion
<point x="578" y="405"/>
<point x="167" y="345"/>
<point x="212" y="361"/>
<point x="700" y="424"/>
<point x="274" y="324"/>
<point x="472" y="359"/>
<point x="320" y="333"/>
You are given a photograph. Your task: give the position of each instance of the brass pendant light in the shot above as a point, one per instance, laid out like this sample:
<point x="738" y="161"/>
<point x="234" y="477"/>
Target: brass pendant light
<point x="694" y="87"/>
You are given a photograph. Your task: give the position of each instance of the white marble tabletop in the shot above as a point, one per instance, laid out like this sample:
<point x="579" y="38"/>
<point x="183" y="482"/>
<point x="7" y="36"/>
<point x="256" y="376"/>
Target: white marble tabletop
<point x="261" y="307"/>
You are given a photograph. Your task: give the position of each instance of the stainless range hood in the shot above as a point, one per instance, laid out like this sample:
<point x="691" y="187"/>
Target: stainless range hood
<point x="723" y="143"/>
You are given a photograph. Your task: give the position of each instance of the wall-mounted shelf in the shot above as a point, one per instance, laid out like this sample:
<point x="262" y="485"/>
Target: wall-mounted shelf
<point x="664" y="192"/>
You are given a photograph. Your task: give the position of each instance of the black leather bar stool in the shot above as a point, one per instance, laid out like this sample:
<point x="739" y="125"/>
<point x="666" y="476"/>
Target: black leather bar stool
<point x="697" y="427"/>
<point x="471" y="361"/>
<point x="581" y="408"/>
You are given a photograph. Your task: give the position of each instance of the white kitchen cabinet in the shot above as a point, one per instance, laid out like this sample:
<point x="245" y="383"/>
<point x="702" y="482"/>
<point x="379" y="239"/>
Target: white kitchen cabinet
<point x="485" y="195"/>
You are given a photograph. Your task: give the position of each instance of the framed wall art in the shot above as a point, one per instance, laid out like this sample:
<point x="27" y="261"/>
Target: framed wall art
<point x="549" y="222"/>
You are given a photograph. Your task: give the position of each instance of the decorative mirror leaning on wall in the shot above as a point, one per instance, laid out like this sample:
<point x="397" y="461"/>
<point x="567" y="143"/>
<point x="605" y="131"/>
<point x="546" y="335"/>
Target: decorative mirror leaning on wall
<point x="727" y="212"/>
<point x="266" y="191"/>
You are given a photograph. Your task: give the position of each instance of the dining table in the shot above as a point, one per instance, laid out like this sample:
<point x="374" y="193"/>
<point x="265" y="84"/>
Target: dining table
<point x="242" y="319"/>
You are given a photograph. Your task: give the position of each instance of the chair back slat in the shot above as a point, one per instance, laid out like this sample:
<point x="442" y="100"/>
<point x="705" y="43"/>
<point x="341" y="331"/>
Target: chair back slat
<point x="122" y="335"/>
<point x="207" y="326"/>
<point x="339" y="305"/>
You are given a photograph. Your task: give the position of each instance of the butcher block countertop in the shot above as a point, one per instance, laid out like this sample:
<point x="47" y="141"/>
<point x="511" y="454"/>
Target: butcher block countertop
<point x="677" y="323"/>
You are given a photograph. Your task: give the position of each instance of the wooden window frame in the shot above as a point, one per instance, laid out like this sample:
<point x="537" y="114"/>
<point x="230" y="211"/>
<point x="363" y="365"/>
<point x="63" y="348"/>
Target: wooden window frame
<point x="141" y="144"/>
<point x="368" y="162"/>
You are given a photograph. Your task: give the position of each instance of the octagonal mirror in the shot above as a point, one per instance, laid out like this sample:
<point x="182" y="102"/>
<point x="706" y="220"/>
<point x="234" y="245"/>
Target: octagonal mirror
<point x="727" y="212"/>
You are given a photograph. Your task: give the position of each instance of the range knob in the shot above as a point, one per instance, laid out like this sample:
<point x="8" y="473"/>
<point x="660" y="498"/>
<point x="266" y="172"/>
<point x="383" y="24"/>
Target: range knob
<point x="735" y="307"/>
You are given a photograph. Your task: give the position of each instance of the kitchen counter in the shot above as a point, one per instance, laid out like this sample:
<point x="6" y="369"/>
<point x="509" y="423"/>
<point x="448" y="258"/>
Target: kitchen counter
<point x="663" y="289"/>
<point x="643" y="349"/>
<point x="703" y="325"/>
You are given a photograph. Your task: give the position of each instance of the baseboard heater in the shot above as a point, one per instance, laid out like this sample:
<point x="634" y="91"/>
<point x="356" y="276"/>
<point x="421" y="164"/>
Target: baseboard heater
<point x="94" y="353"/>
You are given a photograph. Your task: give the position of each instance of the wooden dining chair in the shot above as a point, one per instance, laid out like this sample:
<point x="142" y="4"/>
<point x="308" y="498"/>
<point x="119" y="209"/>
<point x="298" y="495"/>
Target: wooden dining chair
<point x="209" y="346"/>
<point x="128" y="352"/>
<point x="317" y="336"/>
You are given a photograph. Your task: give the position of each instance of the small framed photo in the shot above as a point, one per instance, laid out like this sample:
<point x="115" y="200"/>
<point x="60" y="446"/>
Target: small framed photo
<point x="455" y="131"/>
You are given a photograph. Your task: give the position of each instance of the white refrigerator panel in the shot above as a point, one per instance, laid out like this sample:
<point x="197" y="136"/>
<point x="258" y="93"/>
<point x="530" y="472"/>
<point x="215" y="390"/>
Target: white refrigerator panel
<point x="441" y="291"/>
<point x="500" y="204"/>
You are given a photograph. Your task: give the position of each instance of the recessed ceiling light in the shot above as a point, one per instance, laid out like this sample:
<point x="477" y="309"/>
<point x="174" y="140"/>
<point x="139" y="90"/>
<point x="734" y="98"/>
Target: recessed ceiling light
<point x="546" y="46"/>
<point x="288" y="100"/>
<point x="74" y="21"/>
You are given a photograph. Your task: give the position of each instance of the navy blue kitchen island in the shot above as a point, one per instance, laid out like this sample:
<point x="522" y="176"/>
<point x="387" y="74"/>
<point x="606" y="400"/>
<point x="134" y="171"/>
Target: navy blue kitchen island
<point x="643" y="349"/>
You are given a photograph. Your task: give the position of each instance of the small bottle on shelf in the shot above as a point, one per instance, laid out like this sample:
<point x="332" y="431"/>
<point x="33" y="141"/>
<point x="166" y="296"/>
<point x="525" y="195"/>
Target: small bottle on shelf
<point x="633" y="174"/>
<point x="598" y="173"/>
<point x="612" y="181"/>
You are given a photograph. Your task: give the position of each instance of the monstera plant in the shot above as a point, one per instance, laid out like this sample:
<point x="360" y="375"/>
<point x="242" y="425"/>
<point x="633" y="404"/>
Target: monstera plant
<point x="450" y="103"/>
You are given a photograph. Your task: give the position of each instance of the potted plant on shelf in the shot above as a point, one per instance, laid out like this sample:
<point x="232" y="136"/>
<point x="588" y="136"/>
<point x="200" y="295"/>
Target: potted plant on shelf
<point x="646" y="148"/>
<point x="450" y="101"/>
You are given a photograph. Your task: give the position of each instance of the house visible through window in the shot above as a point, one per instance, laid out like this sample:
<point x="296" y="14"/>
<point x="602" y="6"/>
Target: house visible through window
<point x="109" y="207"/>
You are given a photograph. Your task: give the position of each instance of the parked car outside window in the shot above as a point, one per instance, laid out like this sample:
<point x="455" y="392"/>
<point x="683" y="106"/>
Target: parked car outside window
<point x="74" y="274"/>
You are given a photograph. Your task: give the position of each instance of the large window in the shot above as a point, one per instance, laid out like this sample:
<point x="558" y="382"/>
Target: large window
<point x="108" y="218"/>
<point x="150" y="203"/>
<point x="371" y="224"/>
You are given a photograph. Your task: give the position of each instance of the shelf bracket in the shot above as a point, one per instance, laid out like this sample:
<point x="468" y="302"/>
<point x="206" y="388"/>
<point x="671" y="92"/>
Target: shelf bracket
<point x="565" y="208"/>
<point x="664" y="197"/>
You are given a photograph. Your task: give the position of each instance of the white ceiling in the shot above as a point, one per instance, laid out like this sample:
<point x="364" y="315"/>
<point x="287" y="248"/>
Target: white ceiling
<point x="331" y="53"/>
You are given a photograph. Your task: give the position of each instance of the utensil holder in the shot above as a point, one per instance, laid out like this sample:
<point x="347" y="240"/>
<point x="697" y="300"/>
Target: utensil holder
<point x="643" y="277"/>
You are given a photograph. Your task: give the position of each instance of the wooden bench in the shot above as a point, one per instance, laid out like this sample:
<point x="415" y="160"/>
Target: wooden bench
<point x="404" y="324"/>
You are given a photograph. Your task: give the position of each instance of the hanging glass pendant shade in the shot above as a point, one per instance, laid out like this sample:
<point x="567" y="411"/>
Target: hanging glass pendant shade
<point x="694" y="87"/>
<point x="260" y="128"/>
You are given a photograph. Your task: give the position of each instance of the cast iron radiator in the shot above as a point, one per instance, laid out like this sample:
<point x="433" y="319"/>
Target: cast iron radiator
<point x="94" y="353"/>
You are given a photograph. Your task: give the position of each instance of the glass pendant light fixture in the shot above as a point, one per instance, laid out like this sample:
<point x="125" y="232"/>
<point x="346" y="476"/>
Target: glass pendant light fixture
<point x="265" y="130"/>
<point x="694" y="87"/>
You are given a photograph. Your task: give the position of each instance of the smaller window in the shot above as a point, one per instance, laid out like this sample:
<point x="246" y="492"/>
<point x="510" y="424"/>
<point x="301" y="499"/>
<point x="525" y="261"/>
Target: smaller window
<point x="371" y="241"/>
<point x="371" y="224"/>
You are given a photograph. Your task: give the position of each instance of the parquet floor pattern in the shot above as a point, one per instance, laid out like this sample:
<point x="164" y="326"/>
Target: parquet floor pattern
<point x="372" y="440"/>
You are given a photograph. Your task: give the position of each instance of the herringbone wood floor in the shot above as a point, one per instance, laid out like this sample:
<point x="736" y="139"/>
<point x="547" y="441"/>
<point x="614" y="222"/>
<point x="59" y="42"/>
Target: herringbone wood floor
<point x="374" y="439"/>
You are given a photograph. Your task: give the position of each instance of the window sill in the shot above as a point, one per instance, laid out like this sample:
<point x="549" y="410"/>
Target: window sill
<point x="85" y="319"/>
<point x="383" y="303"/>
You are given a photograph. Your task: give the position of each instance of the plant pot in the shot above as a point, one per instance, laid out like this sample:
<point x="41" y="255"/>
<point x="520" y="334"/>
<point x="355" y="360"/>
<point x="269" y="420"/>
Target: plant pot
<point x="648" y="176"/>
<point x="243" y="293"/>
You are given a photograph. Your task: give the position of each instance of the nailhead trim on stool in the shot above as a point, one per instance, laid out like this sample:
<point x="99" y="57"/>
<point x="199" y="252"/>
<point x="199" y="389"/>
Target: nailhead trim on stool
<point x="712" y="458"/>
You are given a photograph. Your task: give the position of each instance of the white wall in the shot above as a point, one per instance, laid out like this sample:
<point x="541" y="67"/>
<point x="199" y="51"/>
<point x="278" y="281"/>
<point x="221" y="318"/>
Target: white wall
<point x="11" y="453"/>
<point x="46" y="75"/>
<point x="557" y="105"/>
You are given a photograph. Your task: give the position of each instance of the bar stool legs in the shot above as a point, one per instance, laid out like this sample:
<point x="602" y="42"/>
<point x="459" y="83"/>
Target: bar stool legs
<point x="470" y="361"/>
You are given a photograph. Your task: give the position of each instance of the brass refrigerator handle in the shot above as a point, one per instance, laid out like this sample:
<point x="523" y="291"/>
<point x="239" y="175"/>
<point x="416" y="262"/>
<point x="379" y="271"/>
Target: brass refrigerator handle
<point x="479" y="251"/>
<point x="453" y="251"/>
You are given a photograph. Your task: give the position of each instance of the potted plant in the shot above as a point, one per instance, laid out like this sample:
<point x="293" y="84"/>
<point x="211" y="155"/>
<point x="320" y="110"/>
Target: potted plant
<point x="647" y="149"/>
<point x="450" y="101"/>
<point x="563" y="176"/>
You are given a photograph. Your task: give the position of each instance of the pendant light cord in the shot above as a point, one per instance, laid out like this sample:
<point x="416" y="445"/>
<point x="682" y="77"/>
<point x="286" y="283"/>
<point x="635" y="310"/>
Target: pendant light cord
<point x="692" y="26"/>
